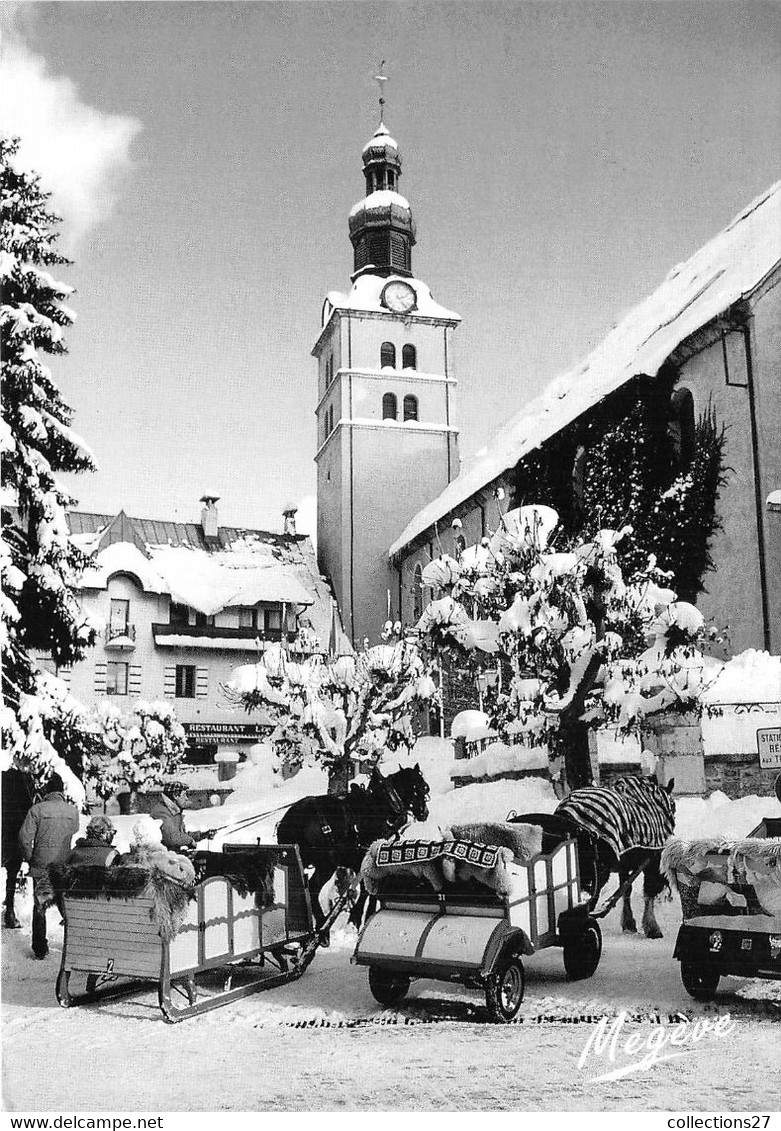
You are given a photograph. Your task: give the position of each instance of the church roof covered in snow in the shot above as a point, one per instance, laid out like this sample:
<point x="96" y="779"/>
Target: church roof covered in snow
<point x="725" y="270"/>
<point x="238" y="568"/>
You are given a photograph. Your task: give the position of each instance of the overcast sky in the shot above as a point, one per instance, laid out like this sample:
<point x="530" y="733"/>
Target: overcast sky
<point x="559" y="159"/>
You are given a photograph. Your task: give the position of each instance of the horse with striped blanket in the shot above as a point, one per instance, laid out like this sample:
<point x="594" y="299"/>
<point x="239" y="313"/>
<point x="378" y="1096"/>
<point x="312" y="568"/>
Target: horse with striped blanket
<point x="616" y="827"/>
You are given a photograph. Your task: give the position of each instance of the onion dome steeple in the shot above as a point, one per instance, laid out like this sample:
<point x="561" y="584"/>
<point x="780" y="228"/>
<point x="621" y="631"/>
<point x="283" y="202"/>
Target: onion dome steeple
<point x="382" y="231"/>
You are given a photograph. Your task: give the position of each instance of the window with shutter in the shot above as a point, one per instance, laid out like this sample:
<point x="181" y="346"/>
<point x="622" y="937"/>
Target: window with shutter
<point x="185" y="681"/>
<point x="201" y="683"/>
<point x="116" y="678"/>
<point x="409" y="357"/>
<point x="410" y="408"/>
<point x="100" y="679"/>
<point x="169" y="682"/>
<point x="134" y="680"/>
<point x="389" y="406"/>
<point x="387" y="356"/>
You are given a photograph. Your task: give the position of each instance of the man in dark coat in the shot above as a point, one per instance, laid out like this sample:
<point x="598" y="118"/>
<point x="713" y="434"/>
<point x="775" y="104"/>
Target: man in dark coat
<point x="168" y="810"/>
<point x="45" y="838"/>
<point x="17" y="797"/>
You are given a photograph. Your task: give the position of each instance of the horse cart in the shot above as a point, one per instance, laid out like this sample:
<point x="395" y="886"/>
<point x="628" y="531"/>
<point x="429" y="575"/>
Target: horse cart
<point x="730" y="894"/>
<point x="469" y="933"/>
<point x="232" y="934"/>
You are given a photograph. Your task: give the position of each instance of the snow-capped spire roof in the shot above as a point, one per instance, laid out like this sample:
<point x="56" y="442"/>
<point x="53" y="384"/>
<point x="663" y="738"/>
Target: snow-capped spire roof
<point x="380" y="139"/>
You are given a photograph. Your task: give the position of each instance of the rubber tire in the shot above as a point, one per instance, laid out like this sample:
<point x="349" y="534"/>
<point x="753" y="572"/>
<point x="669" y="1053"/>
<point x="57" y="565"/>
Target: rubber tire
<point x="386" y="986"/>
<point x="582" y="952"/>
<point x="699" y="983"/>
<point x="510" y="970"/>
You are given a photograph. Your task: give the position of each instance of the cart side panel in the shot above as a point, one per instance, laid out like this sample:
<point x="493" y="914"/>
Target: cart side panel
<point x="112" y="936"/>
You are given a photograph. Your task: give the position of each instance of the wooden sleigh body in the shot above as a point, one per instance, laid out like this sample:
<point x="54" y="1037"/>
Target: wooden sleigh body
<point x="229" y="944"/>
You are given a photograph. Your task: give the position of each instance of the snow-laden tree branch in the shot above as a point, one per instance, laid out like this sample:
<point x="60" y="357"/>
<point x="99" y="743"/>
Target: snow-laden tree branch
<point x="339" y="711"/>
<point x="564" y="634"/>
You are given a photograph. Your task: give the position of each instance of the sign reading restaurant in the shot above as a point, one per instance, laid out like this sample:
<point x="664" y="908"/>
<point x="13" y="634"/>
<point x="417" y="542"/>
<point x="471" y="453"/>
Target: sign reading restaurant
<point x="204" y="734"/>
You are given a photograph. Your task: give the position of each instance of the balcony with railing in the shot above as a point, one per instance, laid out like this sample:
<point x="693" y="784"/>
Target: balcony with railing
<point x="120" y="636"/>
<point x="236" y="638"/>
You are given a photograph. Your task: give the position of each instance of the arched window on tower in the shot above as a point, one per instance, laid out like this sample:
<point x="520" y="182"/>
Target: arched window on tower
<point x="389" y="406"/>
<point x="410" y="407"/>
<point x="681" y="426"/>
<point x="417" y="593"/>
<point x="387" y="355"/>
<point x="409" y="357"/>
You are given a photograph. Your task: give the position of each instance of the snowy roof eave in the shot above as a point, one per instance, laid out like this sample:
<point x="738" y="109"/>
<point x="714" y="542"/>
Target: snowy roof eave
<point x="721" y="273"/>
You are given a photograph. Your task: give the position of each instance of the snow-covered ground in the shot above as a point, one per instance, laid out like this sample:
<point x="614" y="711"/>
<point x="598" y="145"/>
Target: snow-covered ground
<point x="323" y="1043"/>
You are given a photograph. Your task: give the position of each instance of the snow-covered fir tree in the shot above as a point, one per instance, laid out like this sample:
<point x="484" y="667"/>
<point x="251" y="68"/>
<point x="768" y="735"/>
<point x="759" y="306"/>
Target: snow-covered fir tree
<point x="341" y="712"/>
<point x="40" y="722"/>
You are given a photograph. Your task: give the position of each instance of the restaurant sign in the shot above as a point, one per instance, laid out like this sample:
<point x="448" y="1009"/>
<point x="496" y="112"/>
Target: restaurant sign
<point x="208" y="734"/>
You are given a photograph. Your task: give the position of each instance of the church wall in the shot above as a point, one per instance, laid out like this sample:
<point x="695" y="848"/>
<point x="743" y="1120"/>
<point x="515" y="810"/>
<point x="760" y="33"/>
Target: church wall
<point x="767" y="381"/>
<point x="382" y="509"/>
<point x="367" y="394"/>
<point x="733" y="594"/>
<point x="367" y="334"/>
<point x="332" y="531"/>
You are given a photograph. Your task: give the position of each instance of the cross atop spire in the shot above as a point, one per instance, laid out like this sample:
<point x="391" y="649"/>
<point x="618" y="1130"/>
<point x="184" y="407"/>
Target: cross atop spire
<point x="381" y="79"/>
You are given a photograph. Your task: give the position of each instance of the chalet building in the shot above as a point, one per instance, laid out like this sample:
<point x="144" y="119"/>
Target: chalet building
<point x="708" y="340"/>
<point x="185" y="603"/>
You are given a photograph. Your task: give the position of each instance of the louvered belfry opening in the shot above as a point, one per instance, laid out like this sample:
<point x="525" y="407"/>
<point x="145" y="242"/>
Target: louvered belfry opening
<point x="382" y="231"/>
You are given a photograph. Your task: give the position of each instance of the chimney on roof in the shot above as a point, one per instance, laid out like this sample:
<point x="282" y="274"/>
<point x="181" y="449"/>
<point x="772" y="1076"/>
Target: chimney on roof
<point x="209" y="521"/>
<point x="290" y="512"/>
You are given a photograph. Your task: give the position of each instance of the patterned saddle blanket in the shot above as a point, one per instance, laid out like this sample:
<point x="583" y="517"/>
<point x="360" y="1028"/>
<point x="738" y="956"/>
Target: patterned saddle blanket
<point x="416" y="852"/>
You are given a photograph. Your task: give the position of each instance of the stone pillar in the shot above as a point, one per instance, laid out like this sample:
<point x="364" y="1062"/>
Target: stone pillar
<point x="676" y="740"/>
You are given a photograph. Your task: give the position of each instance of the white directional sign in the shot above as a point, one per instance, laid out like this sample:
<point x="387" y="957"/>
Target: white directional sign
<point x="769" y="746"/>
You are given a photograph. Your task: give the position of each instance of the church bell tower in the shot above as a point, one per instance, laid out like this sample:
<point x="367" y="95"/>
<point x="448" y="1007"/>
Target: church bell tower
<point x="386" y="438"/>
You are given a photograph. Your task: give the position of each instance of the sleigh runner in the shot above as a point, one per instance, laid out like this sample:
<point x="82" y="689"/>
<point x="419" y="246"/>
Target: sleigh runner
<point x="204" y="947"/>
<point x="475" y="932"/>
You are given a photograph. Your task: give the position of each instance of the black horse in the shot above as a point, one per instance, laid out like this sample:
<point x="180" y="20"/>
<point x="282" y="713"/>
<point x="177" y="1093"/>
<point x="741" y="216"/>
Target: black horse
<point x="616" y="827"/>
<point x="333" y="832"/>
<point x="17" y="798"/>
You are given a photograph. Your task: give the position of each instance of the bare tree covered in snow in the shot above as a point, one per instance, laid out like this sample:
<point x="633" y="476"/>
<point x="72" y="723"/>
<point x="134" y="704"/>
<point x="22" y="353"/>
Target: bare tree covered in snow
<point x="341" y="712"/>
<point x="39" y="563"/>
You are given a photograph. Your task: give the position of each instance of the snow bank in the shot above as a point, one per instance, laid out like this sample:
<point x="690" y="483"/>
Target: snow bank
<point x="752" y="676"/>
<point x="499" y="758"/>
<point x="717" y="815"/>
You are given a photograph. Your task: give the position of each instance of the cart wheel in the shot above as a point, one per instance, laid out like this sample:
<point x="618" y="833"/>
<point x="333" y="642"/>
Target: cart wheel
<point x="504" y="989"/>
<point x="386" y="986"/>
<point x="582" y="952"/>
<point x="699" y="983"/>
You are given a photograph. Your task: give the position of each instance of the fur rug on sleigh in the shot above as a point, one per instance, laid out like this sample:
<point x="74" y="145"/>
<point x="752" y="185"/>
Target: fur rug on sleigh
<point x="752" y="864"/>
<point x="170" y="898"/>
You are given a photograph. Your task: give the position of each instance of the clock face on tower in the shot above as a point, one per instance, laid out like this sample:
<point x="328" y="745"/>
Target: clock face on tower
<point x="398" y="296"/>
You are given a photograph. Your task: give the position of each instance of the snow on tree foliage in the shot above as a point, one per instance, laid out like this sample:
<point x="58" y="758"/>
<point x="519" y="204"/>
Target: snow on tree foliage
<point x="141" y="748"/>
<point x="561" y="633"/>
<point x="39" y="563"/>
<point x="342" y="711"/>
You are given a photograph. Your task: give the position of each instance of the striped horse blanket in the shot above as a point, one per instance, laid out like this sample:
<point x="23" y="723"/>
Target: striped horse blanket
<point x="629" y="813"/>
